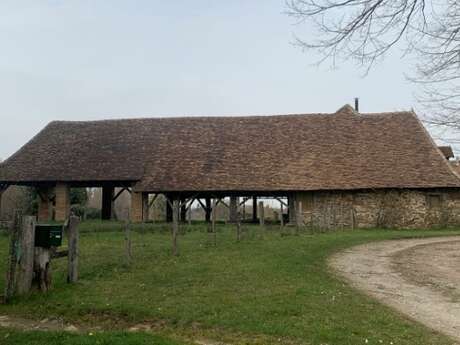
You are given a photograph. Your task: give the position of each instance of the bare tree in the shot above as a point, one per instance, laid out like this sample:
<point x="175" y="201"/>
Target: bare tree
<point x="365" y="30"/>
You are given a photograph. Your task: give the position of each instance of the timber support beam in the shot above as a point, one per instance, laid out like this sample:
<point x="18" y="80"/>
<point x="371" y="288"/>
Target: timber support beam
<point x="234" y="206"/>
<point x="183" y="210"/>
<point x="208" y="210"/>
<point x="107" y="202"/>
<point x="254" y="209"/>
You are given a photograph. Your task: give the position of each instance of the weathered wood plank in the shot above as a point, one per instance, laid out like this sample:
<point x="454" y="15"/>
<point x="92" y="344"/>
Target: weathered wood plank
<point x="13" y="258"/>
<point x="42" y="268"/>
<point x="72" y="258"/>
<point x="26" y="259"/>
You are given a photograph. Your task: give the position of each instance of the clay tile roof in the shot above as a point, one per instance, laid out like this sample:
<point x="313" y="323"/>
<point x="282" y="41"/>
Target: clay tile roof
<point x="447" y="151"/>
<point x="338" y="151"/>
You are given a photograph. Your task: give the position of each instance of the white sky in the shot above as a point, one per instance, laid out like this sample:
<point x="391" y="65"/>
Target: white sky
<point x="91" y="59"/>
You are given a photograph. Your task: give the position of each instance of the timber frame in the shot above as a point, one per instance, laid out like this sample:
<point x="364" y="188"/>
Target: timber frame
<point x="209" y="160"/>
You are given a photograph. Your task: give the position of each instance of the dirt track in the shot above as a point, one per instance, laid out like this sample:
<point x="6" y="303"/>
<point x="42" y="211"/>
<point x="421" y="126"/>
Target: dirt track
<point x="418" y="277"/>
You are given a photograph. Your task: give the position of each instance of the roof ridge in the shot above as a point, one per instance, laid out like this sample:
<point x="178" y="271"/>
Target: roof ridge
<point x="347" y="109"/>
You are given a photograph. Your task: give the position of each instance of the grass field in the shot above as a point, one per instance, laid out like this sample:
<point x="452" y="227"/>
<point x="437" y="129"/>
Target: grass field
<point x="267" y="289"/>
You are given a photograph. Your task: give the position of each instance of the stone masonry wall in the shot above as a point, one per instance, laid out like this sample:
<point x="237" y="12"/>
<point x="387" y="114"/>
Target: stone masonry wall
<point x="406" y="209"/>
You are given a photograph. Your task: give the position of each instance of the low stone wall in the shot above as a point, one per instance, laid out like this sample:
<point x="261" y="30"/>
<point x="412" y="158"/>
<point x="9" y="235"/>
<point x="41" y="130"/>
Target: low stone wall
<point x="406" y="209"/>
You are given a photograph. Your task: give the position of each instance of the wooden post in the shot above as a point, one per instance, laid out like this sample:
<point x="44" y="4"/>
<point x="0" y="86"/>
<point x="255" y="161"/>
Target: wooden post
<point x="107" y="202"/>
<point x="175" y="228"/>
<point x="234" y="206"/>
<point x="145" y="207"/>
<point x="261" y="213"/>
<point x="42" y="268"/>
<point x="208" y="210"/>
<point x="254" y="209"/>
<point x="281" y="216"/>
<point x="13" y="258"/>
<point x="128" y="252"/>
<point x="214" y="217"/>
<point x="238" y="224"/>
<point x="292" y="209"/>
<point x="26" y="259"/>
<point x="190" y="214"/>
<point x="72" y="258"/>
<point x="183" y="211"/>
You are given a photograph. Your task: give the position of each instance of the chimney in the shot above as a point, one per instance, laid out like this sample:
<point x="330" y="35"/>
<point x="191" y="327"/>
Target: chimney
<point x="357" y="104"/>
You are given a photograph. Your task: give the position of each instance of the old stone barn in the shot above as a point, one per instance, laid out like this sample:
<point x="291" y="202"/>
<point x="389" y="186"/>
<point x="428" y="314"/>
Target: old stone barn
<point x="340" y="170"/>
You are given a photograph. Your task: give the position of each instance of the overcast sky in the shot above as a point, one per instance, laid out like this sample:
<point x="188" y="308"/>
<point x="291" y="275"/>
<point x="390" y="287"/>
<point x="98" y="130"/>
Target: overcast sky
<point x="81" y="60"/>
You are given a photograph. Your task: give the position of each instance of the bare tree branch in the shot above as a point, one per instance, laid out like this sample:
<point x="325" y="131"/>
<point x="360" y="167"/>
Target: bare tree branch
<point x="365" y="30"/>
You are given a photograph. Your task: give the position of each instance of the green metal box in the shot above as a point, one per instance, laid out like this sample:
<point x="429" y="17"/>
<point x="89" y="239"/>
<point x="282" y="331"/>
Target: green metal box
<point x="47" y="235"/>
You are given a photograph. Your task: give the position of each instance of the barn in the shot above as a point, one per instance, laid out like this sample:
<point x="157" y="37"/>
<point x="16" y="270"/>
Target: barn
<point x="340" y="170"/>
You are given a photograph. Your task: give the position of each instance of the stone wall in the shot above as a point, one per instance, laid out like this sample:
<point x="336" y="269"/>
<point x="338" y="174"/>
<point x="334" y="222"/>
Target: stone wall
<point x="406" y="209"/>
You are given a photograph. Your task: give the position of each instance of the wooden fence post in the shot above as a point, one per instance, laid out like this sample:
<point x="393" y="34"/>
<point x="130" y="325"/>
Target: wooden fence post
<point x="213" y="220"/>
<point x="42" y="268"/>
<point x="175" y="227"/>
<point x="128" y="252"/>
<point x="26" y="257"/>
<point x="281" y="216"/>
<point x="72" y="258"/>
<point x="261" y="213"/>
<point x="13" y="258"/>
<point x="238" y="225"/>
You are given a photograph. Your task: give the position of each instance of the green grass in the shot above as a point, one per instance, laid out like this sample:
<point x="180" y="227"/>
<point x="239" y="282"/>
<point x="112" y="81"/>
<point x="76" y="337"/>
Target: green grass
<point x="9" y="337"/>
<point x="265" y="289"/>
